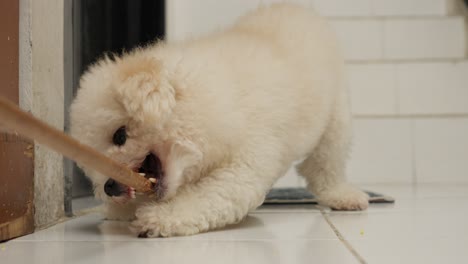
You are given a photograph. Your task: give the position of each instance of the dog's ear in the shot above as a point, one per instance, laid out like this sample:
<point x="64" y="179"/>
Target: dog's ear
<point x="144" y="88"/>
<point x="182" y="155"/>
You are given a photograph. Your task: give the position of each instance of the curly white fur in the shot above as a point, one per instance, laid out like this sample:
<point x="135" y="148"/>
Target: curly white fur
<point x="227" y="114"/>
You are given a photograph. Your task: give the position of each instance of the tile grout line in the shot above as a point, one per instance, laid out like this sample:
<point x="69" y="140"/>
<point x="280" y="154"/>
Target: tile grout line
<point x="421" y="60"/>
<point x="163" y="240"/>
<point x="342" y="238"/>
<point x="374" y="17"/>
<point x="409" y="116"/>
<point x="414" y="167"/>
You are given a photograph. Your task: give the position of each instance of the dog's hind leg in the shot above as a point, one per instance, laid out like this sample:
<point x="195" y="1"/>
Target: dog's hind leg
<point x="324" y="168"/>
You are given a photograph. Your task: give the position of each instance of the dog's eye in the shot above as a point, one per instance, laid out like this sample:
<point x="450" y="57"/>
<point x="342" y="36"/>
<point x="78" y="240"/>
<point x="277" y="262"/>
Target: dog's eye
<point x="120" y="136"/>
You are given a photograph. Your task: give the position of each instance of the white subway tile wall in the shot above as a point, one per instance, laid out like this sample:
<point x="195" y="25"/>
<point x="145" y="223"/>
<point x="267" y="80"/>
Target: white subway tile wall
<point x="381" y="8"/>
<point x="401" y="38"/>
<point x="360" y="39"/>
<point x="408" y="89"/>
<point x="372" y="89"/>
<point x="409" y="8"/>
<point x="426" y="38"/>
<point x="432" y="88"/>
<point x="441" y="149"/>
<point x="289" y="180"/>
<point x="382" y="151"/>
<point x="345" y="8"/>
<point x="407" y="75"/>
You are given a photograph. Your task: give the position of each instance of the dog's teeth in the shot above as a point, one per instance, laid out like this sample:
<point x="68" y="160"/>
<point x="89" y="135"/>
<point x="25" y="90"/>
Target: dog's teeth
<point x="153" y="180"/>
<point x="131" y="192"/>
<point x="142" y="174"/>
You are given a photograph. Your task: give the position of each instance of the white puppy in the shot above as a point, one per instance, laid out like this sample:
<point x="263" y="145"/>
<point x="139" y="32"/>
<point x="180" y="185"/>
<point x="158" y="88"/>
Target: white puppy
<point x="218" y="119"/>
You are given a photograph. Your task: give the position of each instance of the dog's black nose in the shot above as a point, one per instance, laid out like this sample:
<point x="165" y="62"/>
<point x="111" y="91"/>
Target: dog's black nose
<point x="112" y="188"/>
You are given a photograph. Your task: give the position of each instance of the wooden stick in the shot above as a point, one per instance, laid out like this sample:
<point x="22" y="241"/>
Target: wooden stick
<point x="27" y="125"/>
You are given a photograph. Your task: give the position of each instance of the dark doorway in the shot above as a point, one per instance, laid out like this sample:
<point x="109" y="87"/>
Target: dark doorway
<point x="109" y="26"/>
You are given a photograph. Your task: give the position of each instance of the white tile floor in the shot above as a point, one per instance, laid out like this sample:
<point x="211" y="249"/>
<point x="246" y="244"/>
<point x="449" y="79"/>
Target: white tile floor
<point x="427" y="224"/>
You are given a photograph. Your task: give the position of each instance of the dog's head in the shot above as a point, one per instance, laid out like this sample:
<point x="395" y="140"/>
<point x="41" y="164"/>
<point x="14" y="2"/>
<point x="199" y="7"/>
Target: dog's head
<point x="130" y="108"/>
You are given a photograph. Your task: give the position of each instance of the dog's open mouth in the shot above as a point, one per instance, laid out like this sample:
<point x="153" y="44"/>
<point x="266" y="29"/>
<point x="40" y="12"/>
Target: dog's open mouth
<point x="150" y="168"/>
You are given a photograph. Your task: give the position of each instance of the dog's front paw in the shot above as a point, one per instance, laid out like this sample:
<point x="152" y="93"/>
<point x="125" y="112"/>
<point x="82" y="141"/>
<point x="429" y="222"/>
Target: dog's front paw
<point x="161" y="221"/>
<point x="344" y="197"/>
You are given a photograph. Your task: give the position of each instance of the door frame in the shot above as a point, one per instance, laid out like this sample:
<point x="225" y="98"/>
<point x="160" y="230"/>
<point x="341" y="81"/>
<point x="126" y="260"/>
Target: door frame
<point x="16" y="152"/>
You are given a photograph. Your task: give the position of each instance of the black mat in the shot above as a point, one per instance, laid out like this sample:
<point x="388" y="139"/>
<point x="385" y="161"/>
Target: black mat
<point x="303" y="196"/>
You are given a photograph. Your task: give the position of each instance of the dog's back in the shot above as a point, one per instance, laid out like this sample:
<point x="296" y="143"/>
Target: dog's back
<point x="277" y="68"/>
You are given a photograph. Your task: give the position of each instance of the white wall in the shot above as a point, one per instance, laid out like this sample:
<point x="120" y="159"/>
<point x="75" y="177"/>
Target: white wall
<point x="408" y="77"/>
